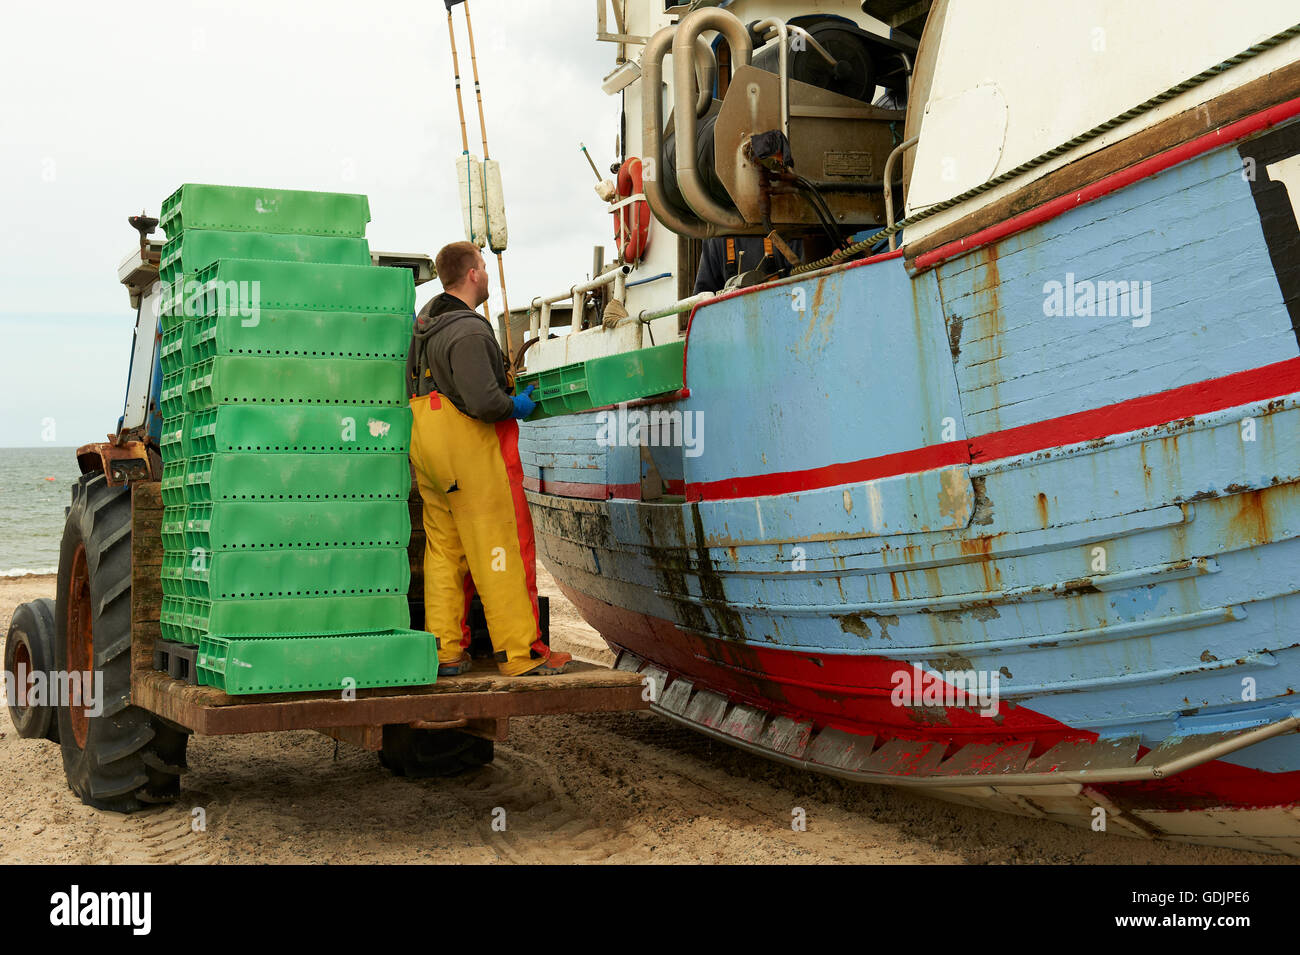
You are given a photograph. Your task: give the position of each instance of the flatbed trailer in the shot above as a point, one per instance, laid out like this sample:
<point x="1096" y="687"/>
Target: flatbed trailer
<point x="478" y="704"/>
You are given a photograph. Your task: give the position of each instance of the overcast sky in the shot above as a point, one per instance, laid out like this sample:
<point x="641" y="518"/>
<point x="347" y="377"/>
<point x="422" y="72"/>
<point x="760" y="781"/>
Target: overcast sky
<point x="106" y="108"/>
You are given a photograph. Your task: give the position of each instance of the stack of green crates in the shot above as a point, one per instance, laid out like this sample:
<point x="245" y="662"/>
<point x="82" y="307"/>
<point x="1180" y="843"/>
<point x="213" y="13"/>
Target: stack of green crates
<point x="285" y="443"/>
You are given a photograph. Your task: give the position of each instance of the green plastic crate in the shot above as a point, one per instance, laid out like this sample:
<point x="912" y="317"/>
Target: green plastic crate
<point x="171" y="351"/>
<point x="600" y="382"/>
<point x="172" y="575"/>
<point x="238" y="379"/>
<point x="171" y="402"/>
<point x="270" y="664"/>
<point x="172" y="618"/>
<point x="250" y="209"/>
<point x="173" y="482"/>
<point x="259" y="525"/>
<point x="295" y="477"/>
<point x="301" y="334"/>
<point x="178" y="301"/>
<point x="309" y="428"/>
<point x="323" y="572"/>
<point x="194" y="249"/>
<point x="174" y="442"/>
<point x="228" y="287"/>
<point x="294" y="615"/>
<point x="225" y="476"/>
<point x="173" y="528"/>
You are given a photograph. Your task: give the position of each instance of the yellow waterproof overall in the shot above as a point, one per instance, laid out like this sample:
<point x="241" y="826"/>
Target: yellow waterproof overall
<point x="479" y="533"/>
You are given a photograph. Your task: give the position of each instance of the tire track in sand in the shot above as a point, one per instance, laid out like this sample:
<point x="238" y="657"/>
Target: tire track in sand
<point x="159" y="836"/>
<point x="544" y="821"/>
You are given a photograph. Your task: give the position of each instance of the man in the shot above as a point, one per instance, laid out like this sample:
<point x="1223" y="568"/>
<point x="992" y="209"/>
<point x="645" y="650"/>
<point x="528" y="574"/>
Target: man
<point x="465" y="450"/>
<point x="724" y="257"/>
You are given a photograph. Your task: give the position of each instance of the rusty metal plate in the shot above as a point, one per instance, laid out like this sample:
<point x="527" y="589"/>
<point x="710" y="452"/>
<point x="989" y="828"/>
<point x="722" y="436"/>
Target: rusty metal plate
<point x="678" y="694"/>
<point x="707" y="709"/>
<point x="991" y="759"/>
<point x="1175" y="747"/>
<point x="744" y="722"/>
<point x="658" y="680"/>
<point x="1075" y="756"/>
<point x="907" y="757"/>
<point x="847" y="751"/>
<point x="787" y="736"/>
<point x="628" y="661"/>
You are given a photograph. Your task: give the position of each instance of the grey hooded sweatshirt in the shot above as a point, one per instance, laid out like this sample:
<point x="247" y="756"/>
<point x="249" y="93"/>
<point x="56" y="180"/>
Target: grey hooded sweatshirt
<point x="459" y="350"/>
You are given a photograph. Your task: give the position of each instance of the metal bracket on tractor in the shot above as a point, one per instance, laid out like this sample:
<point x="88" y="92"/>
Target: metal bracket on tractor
<point x="121" y="463"/>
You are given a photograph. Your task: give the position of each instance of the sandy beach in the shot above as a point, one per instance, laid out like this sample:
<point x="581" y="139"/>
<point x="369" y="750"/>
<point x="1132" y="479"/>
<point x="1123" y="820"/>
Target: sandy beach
<point x="621" y="788"/>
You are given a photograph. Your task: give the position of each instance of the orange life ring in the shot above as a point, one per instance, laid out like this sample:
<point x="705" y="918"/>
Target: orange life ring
<point x="632" y="222"/>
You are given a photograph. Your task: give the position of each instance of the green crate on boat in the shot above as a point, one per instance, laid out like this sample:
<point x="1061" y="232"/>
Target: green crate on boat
<point x="319" y="572"/>
<point x="195" y="249"/>
<point x="301" y="334"/>
<point x="609" y="380"/>
<point x="226" y="476"/>
<point x="239" y="379"/>
<point x="333" y="429"/>
<point x="251" y="209"/>
<point x="236" y="286"/>
<point x="294" y="615"/>
<point x="272" y="664"/>
<point x="237" y="525"/>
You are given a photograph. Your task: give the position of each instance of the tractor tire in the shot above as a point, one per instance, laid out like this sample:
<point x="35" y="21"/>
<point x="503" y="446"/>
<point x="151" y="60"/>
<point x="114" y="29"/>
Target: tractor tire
<point x="422" y="754"/>
<point x="30" y="647"/>
<point x="121" y="758"/>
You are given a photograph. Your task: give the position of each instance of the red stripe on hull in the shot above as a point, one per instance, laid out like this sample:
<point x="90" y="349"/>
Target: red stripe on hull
<point x="1119" y="180"/>
<point x="868" y="469"/>
<point x="851" y="693"/>
<point x="1202" y="397"/>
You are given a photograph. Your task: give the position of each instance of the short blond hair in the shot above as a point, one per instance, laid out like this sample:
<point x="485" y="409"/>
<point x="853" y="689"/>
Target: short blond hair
<point x="454" y="262"/>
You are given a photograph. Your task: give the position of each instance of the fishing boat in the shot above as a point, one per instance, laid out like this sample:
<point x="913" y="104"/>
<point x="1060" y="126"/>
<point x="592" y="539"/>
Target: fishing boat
<point x="992" y="489"/>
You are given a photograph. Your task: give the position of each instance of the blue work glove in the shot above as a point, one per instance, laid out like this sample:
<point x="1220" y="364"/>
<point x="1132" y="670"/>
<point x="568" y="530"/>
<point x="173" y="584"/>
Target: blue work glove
<point x="524" y="404"/>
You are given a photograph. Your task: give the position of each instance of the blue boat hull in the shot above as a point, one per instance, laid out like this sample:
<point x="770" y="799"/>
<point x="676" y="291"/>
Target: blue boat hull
<point x="992" y="528"/>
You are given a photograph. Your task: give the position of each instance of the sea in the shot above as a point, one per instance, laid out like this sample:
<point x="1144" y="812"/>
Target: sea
<point x="35" y="487"/>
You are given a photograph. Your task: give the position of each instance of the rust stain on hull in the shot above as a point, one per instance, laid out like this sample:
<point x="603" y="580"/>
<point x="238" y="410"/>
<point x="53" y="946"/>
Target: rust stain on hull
<point x="1250" y="524"/>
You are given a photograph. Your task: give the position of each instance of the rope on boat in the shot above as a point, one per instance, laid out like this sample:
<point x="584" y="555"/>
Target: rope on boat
<point x="1145" y="107"/>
